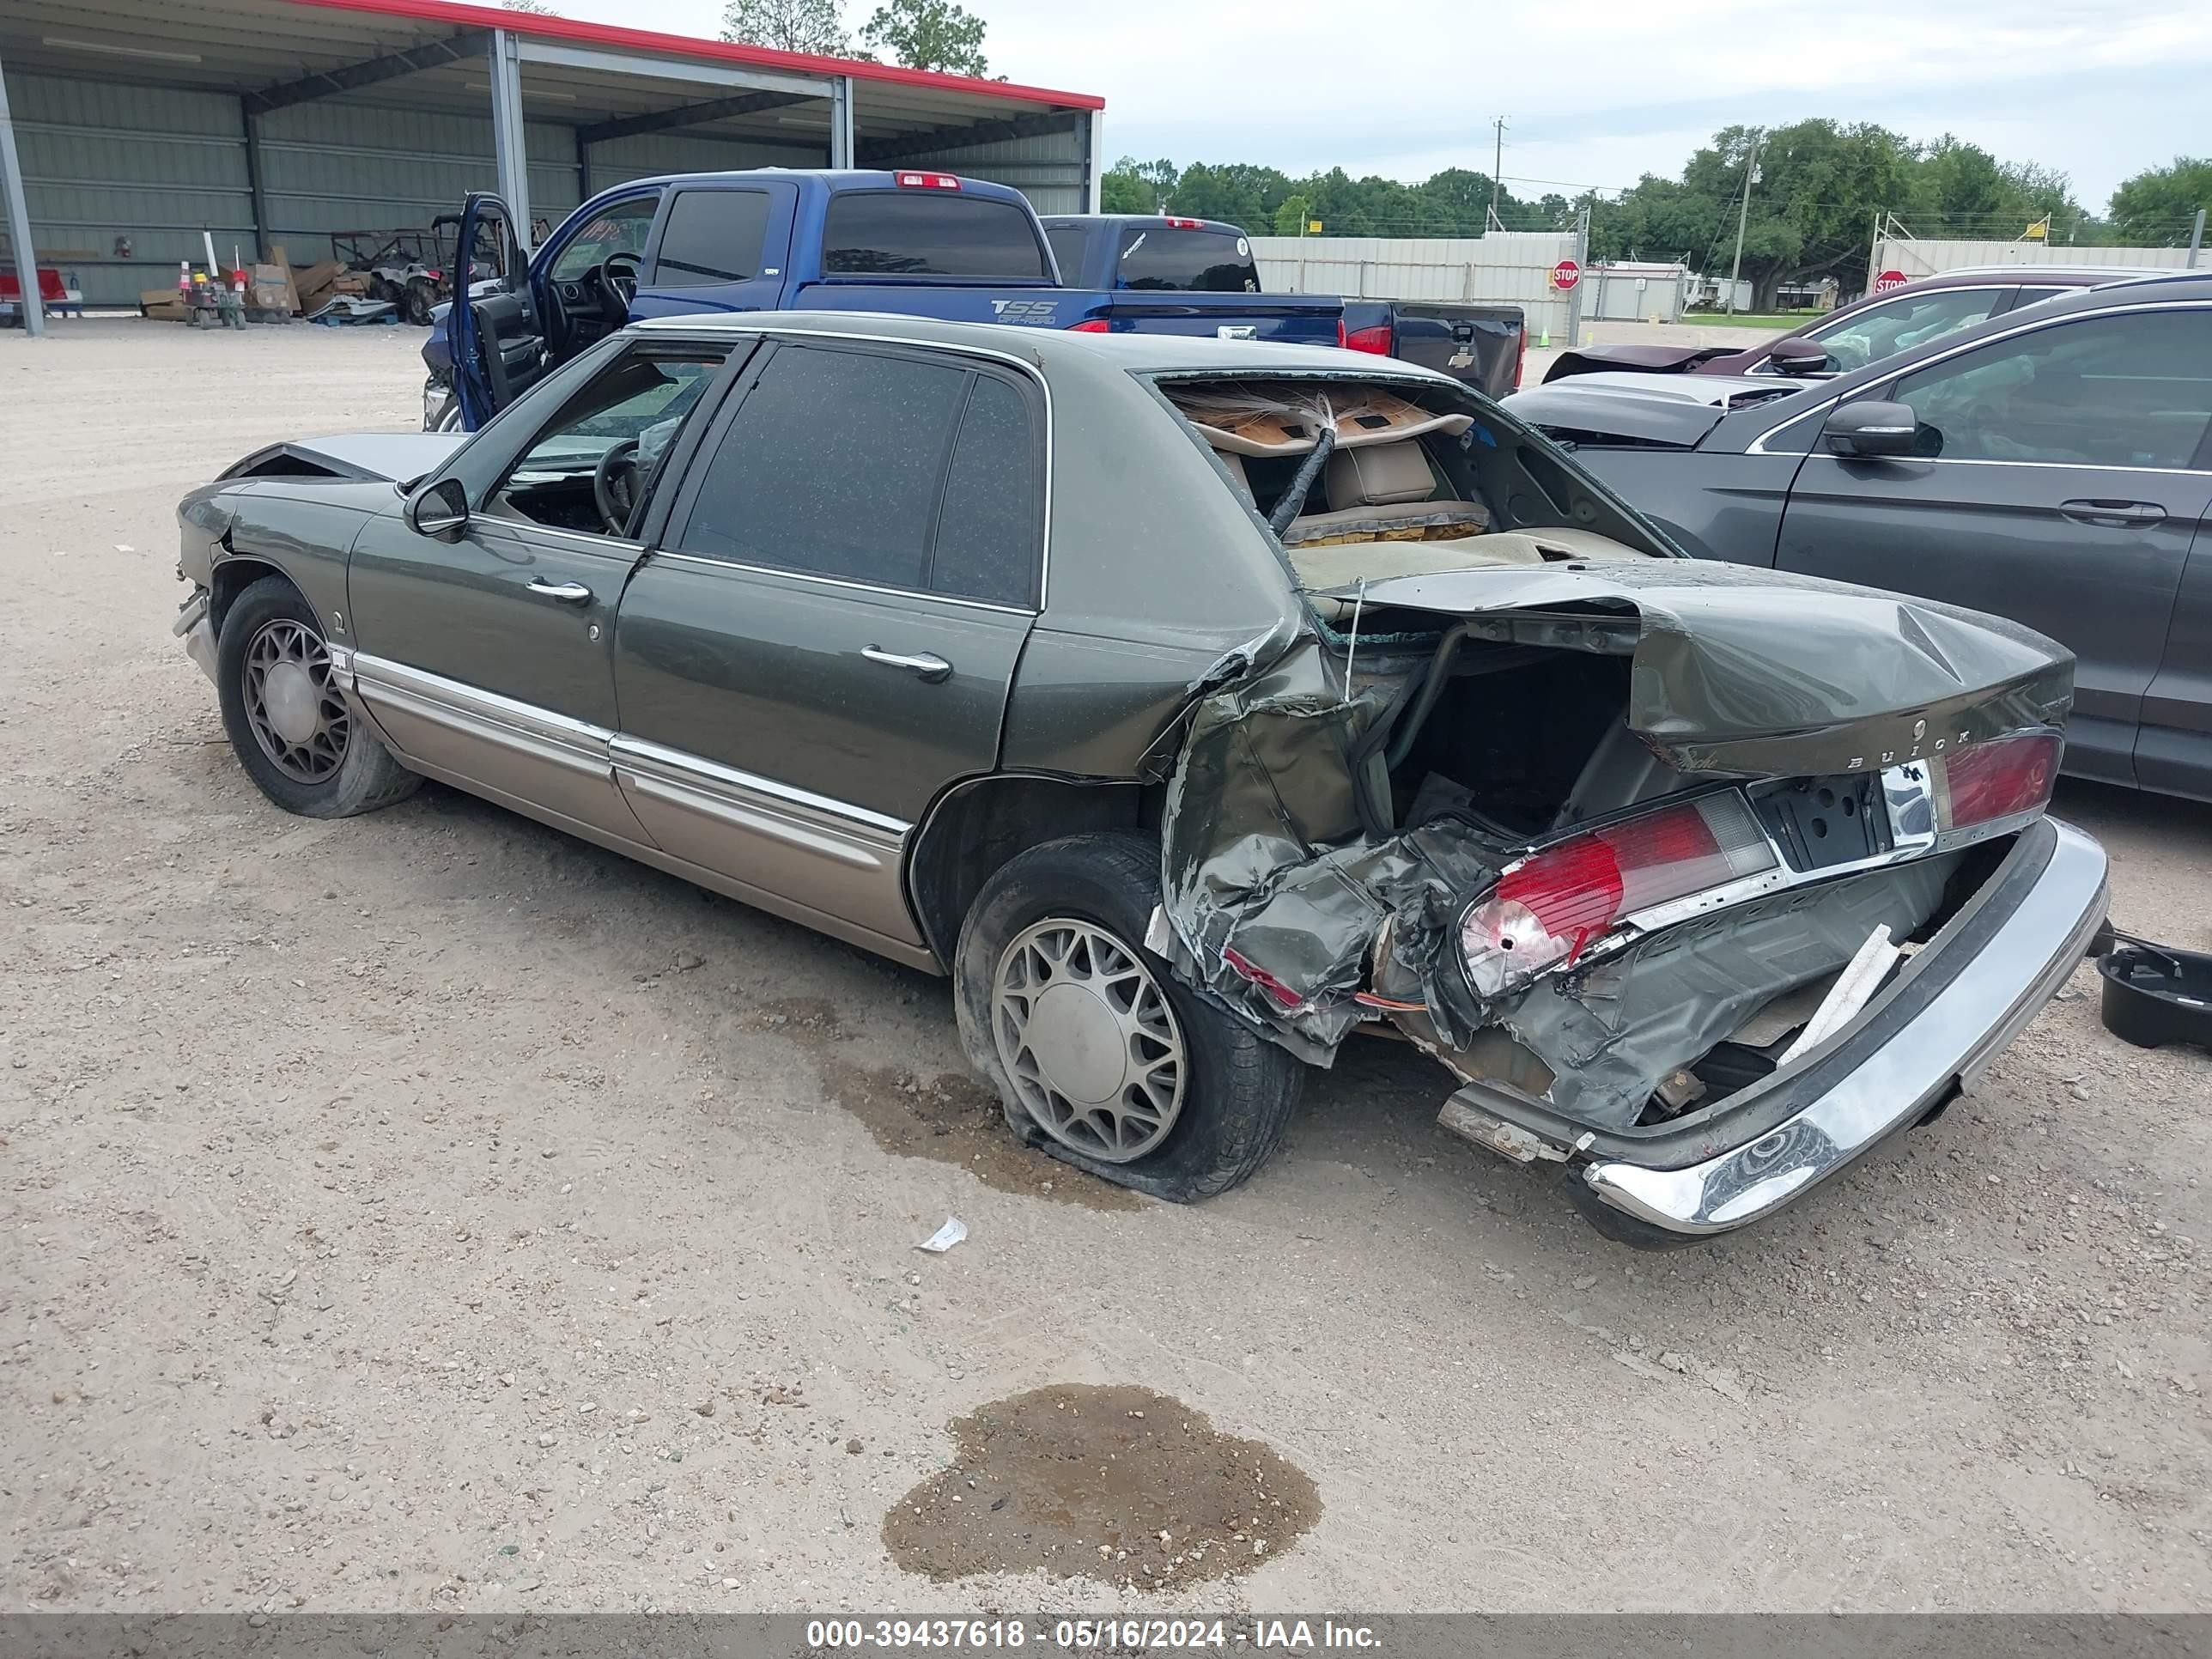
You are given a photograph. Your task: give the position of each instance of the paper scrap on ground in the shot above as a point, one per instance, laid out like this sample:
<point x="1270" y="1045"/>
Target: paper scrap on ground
<point x="945" y="1237"/>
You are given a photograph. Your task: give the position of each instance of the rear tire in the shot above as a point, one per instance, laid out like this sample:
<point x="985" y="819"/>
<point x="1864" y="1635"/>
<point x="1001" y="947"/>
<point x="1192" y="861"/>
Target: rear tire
<point x="289" y="723"/>
<point x="1099" y="1054"/>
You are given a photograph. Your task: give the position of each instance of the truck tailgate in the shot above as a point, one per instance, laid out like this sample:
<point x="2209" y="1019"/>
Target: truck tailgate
<point x="1285" y="318"/>
<point x="1479" y="344"/>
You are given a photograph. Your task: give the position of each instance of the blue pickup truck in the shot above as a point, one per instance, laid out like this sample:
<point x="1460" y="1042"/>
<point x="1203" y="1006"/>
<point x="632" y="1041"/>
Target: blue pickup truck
<point x="918" y="243"/>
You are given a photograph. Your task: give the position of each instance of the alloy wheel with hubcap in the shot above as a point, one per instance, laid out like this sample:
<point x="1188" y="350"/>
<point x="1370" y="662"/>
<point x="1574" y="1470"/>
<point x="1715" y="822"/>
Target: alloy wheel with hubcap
<point x="1089" y="1039"/>
<point x="295" y="709"/>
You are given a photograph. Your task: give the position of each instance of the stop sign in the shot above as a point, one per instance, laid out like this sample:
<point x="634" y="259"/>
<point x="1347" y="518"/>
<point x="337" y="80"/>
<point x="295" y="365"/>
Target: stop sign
<point x="1565" y="275"/>
<point x="1888" y="280"/>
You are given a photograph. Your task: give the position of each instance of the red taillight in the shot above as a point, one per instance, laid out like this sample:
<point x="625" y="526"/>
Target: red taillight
<point x="1554" y="904"/>
<point x="1376" y="339"/>
<point x="1094" y="325"/>
<point x="1185" y="224"/>
<point x="928" y="181"/>
<point x="1259" y="976"/>
<point x="2002" y="779"/>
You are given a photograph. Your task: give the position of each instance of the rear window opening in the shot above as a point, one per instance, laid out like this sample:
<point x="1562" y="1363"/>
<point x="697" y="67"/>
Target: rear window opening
<point x="1414" y="481"/>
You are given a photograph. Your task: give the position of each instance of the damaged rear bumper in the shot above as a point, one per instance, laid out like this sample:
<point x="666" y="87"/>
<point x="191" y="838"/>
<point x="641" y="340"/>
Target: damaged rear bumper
<point x="1961" y="1001"/>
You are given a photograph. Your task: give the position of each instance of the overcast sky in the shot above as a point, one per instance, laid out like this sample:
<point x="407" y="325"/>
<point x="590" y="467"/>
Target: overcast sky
<point x="1595" y="92"/>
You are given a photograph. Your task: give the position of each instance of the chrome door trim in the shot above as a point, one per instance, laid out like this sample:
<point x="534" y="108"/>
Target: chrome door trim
<point x="1758" y="446"/>
<point x="538" y="732"/>
<point x="748" y="796"/>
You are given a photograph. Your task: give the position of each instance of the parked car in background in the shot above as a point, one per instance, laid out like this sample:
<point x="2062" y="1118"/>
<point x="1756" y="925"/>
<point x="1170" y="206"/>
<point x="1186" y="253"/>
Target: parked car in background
<point x="2053" y="464"/>
<point x="911" y="242"/>
<point x="1155" y="253"/>
<point x="1194" y="705"/>
<point x="1851" y="337"/>
<point x="1481" y="345"/>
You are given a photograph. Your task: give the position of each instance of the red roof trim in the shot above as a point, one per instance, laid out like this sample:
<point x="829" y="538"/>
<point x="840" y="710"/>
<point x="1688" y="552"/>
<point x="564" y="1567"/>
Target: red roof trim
<point x="686" y="46"/>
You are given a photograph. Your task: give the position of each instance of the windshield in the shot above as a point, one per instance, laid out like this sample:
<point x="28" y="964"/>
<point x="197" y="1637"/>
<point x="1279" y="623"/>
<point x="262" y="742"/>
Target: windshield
<point x="1900" y="324"/>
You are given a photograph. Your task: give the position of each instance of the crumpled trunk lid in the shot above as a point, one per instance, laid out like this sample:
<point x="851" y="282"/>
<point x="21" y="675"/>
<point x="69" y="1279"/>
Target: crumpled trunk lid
<point x="1765" y="673"/>
<point x="1286" y="906"/>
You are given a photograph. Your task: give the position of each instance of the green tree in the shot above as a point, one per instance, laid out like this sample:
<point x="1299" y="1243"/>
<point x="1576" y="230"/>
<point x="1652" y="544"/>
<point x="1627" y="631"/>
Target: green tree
<point x="1290" y="217"/>
<point x="929" y="34"/>
<point x="810" y="25"/>
<point x="2156" y="207"/>
<point x="1123" y="189"/>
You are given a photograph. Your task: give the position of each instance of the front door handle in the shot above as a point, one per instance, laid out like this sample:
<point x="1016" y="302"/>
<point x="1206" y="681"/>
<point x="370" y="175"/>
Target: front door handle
<point x="562" y="592"/>
<point x="925" y="666"/>
<point x="2112" y="512"/>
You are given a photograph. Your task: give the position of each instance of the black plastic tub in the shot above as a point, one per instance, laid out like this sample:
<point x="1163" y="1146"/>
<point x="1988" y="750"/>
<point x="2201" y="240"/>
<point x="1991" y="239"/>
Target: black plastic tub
<point x="2155" y="994"/>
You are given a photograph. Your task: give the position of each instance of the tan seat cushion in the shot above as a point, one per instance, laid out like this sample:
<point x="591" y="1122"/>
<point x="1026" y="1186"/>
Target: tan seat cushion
<point x="1379" y="474"/>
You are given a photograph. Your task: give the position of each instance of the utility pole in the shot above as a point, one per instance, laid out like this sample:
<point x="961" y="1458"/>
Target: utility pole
<point x="1497" y="167"/>
<point x="1743" y="216"/>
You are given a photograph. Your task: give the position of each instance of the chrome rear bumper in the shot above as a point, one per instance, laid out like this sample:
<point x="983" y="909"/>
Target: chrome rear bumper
<point x="1963" y="1000"/>
<point x="192" y="627"/>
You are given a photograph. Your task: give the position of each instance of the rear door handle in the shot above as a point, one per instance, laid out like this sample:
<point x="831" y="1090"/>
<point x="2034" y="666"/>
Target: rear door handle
<point x="563" y="593"/>
<point x="2112" y="512"/>
<point x="925" y="667"/>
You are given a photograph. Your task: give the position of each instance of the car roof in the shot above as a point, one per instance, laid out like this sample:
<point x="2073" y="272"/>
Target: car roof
<point x="2065" y="274"/>
<point x="831" y="178"/>
<point x="1138" y="353"/>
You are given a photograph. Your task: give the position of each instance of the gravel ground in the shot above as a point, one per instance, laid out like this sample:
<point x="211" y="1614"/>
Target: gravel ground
<point x="384" y="1197"/>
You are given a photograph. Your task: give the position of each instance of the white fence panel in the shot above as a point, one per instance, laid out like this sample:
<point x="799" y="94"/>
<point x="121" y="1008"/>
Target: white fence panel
<point x="1509" y="268"/>
<point x="1931" y="258"/>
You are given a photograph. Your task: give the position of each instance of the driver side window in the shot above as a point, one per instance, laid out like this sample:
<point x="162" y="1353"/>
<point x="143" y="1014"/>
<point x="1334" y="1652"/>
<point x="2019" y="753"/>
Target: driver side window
<point x="591" y="466"/>
<point x="620" y="229"/>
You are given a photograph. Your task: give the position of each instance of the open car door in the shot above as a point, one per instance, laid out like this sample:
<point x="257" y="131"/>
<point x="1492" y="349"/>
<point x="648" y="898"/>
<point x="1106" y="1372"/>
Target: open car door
<point x="499" y="344"/>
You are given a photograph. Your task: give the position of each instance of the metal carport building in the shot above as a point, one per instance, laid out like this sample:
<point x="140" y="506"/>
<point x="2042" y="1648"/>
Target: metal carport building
<point x="128" y="127"/>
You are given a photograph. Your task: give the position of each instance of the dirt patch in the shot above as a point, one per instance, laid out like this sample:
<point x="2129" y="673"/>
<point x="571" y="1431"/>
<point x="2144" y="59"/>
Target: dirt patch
<point x="950" y="1118"/>
<point x="1117" y="1484"/>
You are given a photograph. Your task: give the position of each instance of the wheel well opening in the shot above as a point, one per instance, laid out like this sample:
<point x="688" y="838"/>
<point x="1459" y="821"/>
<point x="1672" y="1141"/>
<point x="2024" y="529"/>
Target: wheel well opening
<point x="231" y="578"/>
<point x="975" y="829"/>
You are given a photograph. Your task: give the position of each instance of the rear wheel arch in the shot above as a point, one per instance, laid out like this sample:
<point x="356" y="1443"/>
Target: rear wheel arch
<point x="973" y="829"/>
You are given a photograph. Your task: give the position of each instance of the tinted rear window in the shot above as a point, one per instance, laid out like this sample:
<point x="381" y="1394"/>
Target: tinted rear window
<point x="1201" y="261"/>
<point x="914" y="233"/>
<point x="713" y="236"/>
<point x="1070" y="246"/>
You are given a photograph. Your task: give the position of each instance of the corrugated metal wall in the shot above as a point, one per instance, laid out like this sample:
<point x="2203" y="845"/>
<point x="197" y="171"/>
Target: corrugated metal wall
<point x="647" y="155"/>
<point x="147" y="163"/>
<point x="1508" y="268"/>
<point x="333" y="165"/>
<point x="155" y="167"/>
<point x="1048" y="169"/>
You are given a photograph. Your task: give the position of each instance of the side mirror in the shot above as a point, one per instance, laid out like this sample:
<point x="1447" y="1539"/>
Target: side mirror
<point x="441" y="509"/>
<point x="1797" y="357"/>
<point x="1872" y="428"/>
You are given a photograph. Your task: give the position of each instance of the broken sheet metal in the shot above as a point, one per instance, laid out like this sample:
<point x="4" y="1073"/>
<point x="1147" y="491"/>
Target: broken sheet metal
<point x="1763" y="673"/>
<point x="1274" y="894"/>
<point x="1610" y="1034"/>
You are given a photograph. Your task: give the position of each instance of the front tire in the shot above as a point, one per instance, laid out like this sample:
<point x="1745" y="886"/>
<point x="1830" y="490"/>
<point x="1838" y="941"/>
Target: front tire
<point x="1099" y="1055"/>
<point x="286" y="717"/>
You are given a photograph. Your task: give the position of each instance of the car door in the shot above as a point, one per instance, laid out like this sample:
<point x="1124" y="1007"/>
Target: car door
<point x="501" y="347"/>
<point x="2067" y="484"/>
<point x="485" y="652"/>
<point x="719" y="247"/>
<point x="584" y="279"/>
<point x="825" y="635"/>
<point x="2173" y="749"/>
